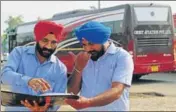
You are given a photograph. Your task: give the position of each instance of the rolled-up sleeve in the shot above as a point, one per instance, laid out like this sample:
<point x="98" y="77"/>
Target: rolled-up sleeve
<point x="9" y="73"/>
<point x="124" y="70"/>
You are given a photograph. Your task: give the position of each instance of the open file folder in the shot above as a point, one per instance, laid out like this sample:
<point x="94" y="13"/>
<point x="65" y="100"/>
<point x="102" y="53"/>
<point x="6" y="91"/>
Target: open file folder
<point x="13" y="99"/>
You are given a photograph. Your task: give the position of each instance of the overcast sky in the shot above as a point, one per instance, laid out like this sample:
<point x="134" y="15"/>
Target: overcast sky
<point x="31" y="10"/>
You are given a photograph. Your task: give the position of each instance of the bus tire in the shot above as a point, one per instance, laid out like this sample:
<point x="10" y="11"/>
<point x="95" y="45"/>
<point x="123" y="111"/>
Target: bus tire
<point x="136" y="77"/>
<point x="68" y="75"/>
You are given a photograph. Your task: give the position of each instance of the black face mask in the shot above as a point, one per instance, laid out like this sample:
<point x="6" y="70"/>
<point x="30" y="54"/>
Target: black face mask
<point x="97" y="54"/>
<point x="42" y="53"/>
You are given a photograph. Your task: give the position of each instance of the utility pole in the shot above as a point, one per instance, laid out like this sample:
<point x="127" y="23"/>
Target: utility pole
<point x="99" y="4"/>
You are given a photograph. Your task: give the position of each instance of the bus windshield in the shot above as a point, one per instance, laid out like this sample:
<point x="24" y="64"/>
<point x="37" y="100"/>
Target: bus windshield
<point x="152" y="14"/>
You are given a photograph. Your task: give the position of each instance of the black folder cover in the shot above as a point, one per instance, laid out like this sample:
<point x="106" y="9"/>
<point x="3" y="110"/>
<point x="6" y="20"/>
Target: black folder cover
<point x="13" y="99"/>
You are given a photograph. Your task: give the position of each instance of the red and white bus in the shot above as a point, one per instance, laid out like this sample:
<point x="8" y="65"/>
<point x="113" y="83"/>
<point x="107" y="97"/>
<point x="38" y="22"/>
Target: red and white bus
<point x="144" y="30"/>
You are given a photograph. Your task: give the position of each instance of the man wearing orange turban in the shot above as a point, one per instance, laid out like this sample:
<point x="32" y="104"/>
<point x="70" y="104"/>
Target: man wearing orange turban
<point x="34" y="69"/>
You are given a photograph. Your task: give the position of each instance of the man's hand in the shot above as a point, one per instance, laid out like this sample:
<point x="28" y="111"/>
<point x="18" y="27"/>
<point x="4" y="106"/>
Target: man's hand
<point x="81" y="60"/>
<point x="36" y="107"/>
<point x="75" y="80"/>
<point x="39" y="84"/>
<point x="81" y="103"/>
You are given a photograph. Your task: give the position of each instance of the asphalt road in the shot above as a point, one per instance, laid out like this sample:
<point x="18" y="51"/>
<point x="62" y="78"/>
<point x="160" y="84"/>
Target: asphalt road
<point x="154" y="92"/>
<point x="161" y="83"/>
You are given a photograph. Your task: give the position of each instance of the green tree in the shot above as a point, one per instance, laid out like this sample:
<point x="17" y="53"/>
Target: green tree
<point x="12" y="22"/>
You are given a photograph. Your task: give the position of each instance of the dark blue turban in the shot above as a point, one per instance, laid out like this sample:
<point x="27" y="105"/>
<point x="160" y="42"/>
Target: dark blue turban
<point x="93" y="32"/>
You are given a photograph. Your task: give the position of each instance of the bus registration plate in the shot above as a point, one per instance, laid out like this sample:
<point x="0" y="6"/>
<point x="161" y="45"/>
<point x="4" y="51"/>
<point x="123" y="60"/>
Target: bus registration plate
<point x="154" y="68"/>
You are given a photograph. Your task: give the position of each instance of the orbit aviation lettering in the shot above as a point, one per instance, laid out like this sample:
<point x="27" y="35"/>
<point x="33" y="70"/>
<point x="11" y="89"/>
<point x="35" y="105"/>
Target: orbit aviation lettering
<point x="155" y="32"/>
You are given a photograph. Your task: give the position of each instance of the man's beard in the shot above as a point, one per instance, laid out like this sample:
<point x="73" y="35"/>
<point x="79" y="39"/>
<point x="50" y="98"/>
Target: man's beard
<point x="42" y="51"/>
<point x="95" y="55"/>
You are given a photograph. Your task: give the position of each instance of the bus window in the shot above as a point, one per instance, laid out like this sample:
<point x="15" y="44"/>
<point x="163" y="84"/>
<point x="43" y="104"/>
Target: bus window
<point x="109" y="24"/>
<point x="23" y="39"/>
<point x="70" y="44"/>
<point x="12" y="42"/>
<point x="151" y="14"/>
<point x="117" y="35"/>
<point x="116" y="26"/>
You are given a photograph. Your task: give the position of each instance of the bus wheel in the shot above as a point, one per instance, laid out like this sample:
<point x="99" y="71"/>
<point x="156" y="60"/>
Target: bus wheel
<point x="136" y="77"/>
<point x="68" y="75"/>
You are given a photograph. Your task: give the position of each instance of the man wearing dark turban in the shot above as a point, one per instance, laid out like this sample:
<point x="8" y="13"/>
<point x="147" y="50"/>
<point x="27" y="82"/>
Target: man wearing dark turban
<point x="34" y="69"/>
<point x="104" y="80"/>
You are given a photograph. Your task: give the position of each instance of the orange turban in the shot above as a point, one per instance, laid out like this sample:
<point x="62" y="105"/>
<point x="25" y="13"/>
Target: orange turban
<point x="43" y="28"/>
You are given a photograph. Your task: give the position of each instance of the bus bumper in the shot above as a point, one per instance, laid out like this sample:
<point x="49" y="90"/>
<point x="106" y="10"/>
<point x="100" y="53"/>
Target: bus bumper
<point x="154" y="68"/>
